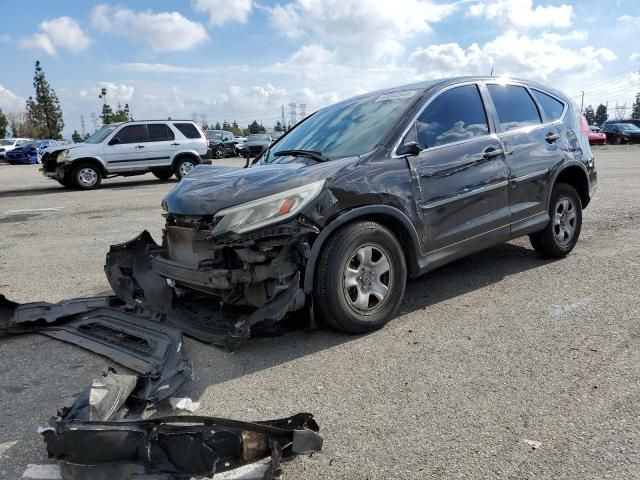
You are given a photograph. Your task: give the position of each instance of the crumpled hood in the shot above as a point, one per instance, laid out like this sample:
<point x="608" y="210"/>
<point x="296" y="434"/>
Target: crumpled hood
<point x="59" y="148"/>
<point x="209" y="189"/>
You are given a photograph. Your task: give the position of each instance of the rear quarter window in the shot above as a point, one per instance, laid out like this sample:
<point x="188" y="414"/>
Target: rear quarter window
<point x="189" y="130"/>
<point x="551" y="107"/>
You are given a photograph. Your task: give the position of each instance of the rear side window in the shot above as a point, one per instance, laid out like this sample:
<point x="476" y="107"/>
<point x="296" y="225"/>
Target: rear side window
<point x="131" y="134"/>
<point x="514" y="106"/>
<point x="189" y="130"/>
<point x="455" y="115"/>
<point x="159" y="132"/>
<point x="551" y="107"/>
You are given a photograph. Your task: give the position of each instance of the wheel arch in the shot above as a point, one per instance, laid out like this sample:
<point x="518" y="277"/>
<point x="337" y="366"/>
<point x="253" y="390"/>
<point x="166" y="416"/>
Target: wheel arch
<point x="180" y="155"/>
<point x="91" y="161"/>
<point x="575" y="175"/>
<point x="392" y="218"/>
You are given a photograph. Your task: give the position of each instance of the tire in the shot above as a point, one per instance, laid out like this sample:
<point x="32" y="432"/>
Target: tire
<point x="163" y="174"/>
<point x="563" y="230"/>
<point x="359" y="248"/>
<point x="86" y="177"/>
<point x="184" y="166"/>
<point x="219" y="152"/>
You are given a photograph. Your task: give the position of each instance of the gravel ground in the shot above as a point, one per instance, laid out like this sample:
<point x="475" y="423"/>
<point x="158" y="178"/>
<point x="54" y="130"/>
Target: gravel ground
<point x="500" y="365"/>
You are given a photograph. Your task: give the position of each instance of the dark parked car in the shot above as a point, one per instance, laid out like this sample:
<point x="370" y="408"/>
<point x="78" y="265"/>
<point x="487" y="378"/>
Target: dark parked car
<point x="256" y="144"/>
<point x="622" y="133"/>
<point x="632" y="121"/>
<point x="361" y="195"/>
<point x="29" y="153"/>
<point x="222" y="143"/>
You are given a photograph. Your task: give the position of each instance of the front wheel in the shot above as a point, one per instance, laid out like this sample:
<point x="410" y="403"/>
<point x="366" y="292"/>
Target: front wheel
<point x="561" y="233"/>
<point x="184" y="167"/>
<point x="86" y="177"/>
<point x="360" y="278"/>
<point x="163" y="174"/>
<point x="219" y="152"/>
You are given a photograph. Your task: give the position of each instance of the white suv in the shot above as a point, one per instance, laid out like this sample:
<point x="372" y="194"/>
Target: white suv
<point x="8" y="144"/>
<point x="163" y="148"/>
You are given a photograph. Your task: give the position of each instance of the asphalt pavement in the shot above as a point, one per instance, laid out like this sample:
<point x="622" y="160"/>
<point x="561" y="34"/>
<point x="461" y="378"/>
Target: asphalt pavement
<point x="499" y="365"/>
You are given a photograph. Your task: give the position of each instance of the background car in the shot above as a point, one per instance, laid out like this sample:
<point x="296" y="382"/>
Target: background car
<point x="30" y="152"/>
<point x="622" y="133"/>
<point x="596" y="136"/>
<point x="222" y="143"/>
<point x="256" y="144"/>
<point x="8" y="144"/>
<point x="632" y="121"/>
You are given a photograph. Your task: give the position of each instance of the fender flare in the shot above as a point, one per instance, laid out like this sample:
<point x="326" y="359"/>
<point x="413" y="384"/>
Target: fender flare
<point x="93" y="161"/>
<point x="348" y="216"/>
<point x="562" y="168"/>
<point x="187" y="153"/>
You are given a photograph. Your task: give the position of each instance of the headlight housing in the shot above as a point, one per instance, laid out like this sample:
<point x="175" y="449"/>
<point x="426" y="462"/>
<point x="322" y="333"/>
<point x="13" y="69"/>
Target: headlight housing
<point x="259" y="213"/>
<point x="62" y="156"/>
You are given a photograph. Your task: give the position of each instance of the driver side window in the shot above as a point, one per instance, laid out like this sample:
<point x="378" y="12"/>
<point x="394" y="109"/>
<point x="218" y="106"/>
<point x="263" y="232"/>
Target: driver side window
<point x="455" y="115"/>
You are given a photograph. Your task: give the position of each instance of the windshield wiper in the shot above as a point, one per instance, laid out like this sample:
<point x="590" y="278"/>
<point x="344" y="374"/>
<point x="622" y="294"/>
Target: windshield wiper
<point x="313" y="154"/>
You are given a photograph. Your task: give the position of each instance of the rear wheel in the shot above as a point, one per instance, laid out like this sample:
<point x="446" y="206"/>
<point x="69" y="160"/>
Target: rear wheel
<point x="219" y="152"/>
<point x="563" y="230"/>
<point x="360" y="278"/>
<point x="86" y="177"/>
<point x="184" y="166"/>
<point x="163" y="174"/>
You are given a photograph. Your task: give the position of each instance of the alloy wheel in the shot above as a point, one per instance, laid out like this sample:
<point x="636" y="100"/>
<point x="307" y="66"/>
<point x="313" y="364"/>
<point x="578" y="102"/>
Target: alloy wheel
<point x="87" y="177"/>
<point x="367" y="278"/>
<point x="564" y="220"/>
<point x="186" y="168"/>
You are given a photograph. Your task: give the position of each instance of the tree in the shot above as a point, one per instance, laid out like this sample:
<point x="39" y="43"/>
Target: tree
<point x="278" y="127"/>
<point x="590" y="115"/>
<point x="76" y="137"/>
<point x="217" y="127"/>
<point x="4" y="123"/>
<point x="44" y="115"/>
<point x="635" y="108"/>
<point x="601" y="114"/>
<point x="255" y="127"/>
<point x="107" y="114"/>
<point x="121" y="114"/>
<point x="16" y="124"/>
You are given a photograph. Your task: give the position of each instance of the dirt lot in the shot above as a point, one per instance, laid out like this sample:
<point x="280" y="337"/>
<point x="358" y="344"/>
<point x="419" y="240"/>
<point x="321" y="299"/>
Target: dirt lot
<point x="489" y="354"/>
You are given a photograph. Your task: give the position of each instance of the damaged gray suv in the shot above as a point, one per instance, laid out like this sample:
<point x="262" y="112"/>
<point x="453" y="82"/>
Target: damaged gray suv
<point x="337" y="213"/>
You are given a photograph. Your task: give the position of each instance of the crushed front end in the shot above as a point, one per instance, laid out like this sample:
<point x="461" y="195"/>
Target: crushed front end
<point x="217" y="276"/>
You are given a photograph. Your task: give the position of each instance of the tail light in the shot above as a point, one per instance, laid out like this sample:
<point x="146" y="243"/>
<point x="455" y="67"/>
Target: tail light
<point x="206" y="137"/>
<point x="584" y="125"/>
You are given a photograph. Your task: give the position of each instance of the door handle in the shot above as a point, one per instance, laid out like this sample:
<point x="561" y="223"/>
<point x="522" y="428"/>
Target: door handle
<point x="175" y="144"/>
<point x="491" y="152"/>
<point x="551" y="137"/>
<point x="139" y="146"/>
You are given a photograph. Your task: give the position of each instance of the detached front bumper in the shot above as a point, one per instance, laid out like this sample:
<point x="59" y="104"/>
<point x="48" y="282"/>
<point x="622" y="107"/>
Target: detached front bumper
<point x="186" y="284"/>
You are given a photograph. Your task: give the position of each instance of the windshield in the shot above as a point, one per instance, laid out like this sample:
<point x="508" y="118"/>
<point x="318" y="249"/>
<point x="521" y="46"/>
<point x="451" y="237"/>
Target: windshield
<point x="258" y="138"/>
<point x="101" y="134"/>
<point x="351" y="128"/>
<point x="627" y="126"/>
<point x="6" y="142"/>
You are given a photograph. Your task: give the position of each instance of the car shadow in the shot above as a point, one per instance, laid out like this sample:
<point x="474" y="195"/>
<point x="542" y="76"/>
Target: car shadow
<point x="109" y="185"/>
<point x="215" y="366"/>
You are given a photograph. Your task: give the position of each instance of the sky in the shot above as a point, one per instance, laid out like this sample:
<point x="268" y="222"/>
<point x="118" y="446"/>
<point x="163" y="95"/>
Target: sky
<point x="243" y="59"/>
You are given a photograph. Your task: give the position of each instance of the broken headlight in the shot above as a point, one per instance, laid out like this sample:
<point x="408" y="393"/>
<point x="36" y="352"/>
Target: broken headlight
<point x="258" y="213"/>
<point x="62" y="156"/>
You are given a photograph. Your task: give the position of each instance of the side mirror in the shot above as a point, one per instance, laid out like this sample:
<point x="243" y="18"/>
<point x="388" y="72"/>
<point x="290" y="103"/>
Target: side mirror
<point x="411" y="149"/>
<point x="114" y="141"/>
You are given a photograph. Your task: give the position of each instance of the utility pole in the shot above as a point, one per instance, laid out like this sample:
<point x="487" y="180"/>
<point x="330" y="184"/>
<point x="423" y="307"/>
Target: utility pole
<point x="582" y="102"/>
<point x="284" y="121"/>
<point x="292" y="114"/>
<point x="83" y="129"/>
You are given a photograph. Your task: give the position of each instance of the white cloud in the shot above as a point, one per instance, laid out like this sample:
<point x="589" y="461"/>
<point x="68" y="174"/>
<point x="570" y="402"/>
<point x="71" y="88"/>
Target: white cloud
<point x="357" y="29"/>
<point x="629" y="20"/>
<point x="142" y="67"/>
<point x="115" y="92"/>
<point x="634" y="57"/>
<point x="162" y="32"/>
<point x="9" y="101"/>
<point x="512" y="53"/>
<point x="522" y="14"/>
<point x="222" y="11"/>
<point x="58" y="33"/>
<point x="312" y="54"/>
